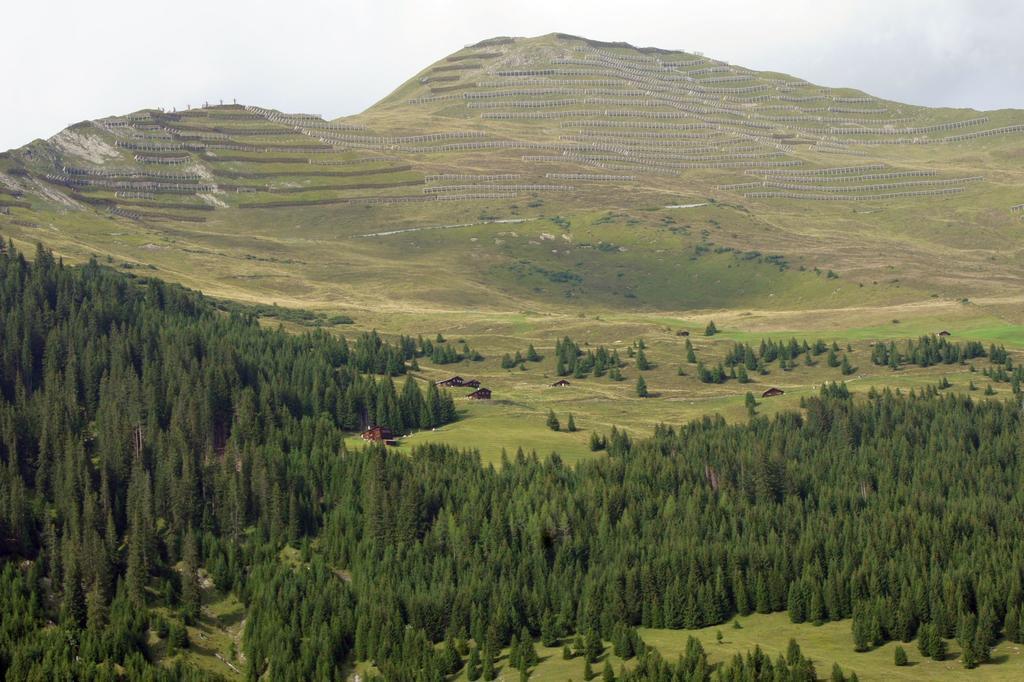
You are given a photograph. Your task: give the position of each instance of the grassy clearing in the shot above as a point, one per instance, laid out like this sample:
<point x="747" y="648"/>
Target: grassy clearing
<point x="832" y="643"/>
<point x="826" y="645"/>
<point x="215" y="641"/>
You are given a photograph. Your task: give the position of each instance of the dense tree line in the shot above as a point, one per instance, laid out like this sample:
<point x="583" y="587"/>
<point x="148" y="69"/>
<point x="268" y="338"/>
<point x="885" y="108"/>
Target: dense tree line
<point x="442" y="352"/>
<point x="891" y="510"/>
<point x="571" y="359"/>
<point x="932" y="350"/>
<point x="751" y="359"/>
<point x="148" y="441"/>
<point x="145" y="434"/>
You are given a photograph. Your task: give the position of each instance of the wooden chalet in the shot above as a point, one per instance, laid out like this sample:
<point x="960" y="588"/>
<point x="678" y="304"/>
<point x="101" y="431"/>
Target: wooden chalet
<point x="682" y="332"/>
<point x="451" y="381"/>
<point x="944" y="333"/>
<point x="471" y="383"/>
<point x="480" y="394"/>
<point x="561" y="383"/>
<point x="378" y="434"/>
<point x="772" y="392"/>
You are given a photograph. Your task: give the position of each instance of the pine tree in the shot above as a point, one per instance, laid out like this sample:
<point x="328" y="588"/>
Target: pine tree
<point x="191" y="595"/>
<point x="751" y="403"/>
<point x="473" y="668"/>
<point x="926" y="636"/>
<point x="553" y="422"/>
<point x="95" y="608"/>
<point x="1011" y="624"/>
<point x="528" y="657"/>
<point x="548" y="632"/>
<point x="845" y="367"/>
<point x="861" y="639"/>
<point x="593" y="647"/>
<point x="969" y="655"/>
<point x="795" y="599"/>
<point x="711" y="329"/>
<point x="641" y="387"/>
<point x="571" y="425"/>
<point x="514" y="654"/>
<point x="900" y="656"/>
<point x="793" y="653"/>
<point x="488" y="672"/>
<point x="73" y="611"/>
<point x="451" y="659"/>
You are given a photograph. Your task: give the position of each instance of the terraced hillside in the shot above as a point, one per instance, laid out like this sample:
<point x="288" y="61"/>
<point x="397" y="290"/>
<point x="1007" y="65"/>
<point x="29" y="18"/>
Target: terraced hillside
<point x="547" y="168"/>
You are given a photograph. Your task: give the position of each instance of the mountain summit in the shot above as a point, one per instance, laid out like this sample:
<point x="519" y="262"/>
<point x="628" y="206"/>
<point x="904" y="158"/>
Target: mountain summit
<point x="520" y="129"/>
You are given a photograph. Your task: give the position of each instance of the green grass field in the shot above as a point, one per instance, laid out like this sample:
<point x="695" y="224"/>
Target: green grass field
<point x="832" y="643"/>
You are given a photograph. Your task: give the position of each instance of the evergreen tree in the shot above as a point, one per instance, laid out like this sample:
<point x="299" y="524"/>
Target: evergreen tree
<point x="552" y="421"/>
<point x="191" y="595"/>
<point x="488" y="671"/>
<point x="548" y="630"/>
<point x="845" y="367"/>
<point x="1011" y="624"/>
<point x="793" y="653"/>
<point x="473" y="665"/>
<point x="528" y="657"/>
<point x="593" y="647"/>
<point x="641" y="387"/>
<point x="96" y="608"/>
<point x="73" y="610"/>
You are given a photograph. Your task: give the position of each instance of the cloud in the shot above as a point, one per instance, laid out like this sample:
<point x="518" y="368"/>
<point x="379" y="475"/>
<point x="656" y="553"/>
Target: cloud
<point x="66" y="62"/>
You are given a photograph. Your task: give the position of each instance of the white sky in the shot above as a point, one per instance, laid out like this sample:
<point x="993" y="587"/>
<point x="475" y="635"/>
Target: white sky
<point x="68" y="61"/>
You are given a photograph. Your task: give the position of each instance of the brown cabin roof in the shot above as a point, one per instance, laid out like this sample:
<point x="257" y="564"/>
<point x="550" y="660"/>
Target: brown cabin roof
<point x="560" y="383"/>
<point x="772" y="392"/>
<point x="480" y="394"/>
<point x="377" y="433"/>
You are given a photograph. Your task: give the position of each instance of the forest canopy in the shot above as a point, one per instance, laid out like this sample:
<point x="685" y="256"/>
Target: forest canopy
<point x="149" y="441"/>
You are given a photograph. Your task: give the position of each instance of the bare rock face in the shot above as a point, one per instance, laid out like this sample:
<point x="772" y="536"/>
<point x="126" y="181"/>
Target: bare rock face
<point x="87" y="147"/>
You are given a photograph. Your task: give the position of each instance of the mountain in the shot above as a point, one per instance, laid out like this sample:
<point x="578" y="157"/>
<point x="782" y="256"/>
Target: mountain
<point x="524" y="172"/>
<point x="628" y="360"/>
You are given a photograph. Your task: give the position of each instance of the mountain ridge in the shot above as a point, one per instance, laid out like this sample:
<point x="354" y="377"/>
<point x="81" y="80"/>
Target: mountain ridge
<point x="599" y="141"/>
